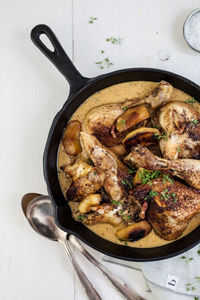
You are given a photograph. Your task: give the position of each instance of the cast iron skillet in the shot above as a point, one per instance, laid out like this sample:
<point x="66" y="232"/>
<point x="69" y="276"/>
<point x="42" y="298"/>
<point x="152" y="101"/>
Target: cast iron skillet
<point x="80" y="89"/>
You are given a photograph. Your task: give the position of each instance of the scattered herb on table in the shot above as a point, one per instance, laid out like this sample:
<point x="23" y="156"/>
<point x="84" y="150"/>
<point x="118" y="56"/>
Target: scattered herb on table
<point x="114" y="41"/>
<point x="167" y="178"/>
<point x="197" y="277"/>
<point x="92" y="19"/>
<point x="80" y="217"/>
<point x="104" y="63"/>
<point x="186" y="259"/>
<point x="160" y="136"/>
<point x="189" y="287"/>
<point x="190" y="101"/>
<point x="102" y="51"/>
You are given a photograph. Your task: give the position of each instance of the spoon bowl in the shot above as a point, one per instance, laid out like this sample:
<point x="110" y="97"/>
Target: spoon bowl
<point x="40" y="216"/>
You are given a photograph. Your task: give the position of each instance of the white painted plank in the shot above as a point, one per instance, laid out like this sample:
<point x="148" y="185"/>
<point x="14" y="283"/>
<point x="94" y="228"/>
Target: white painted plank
<point x="147" y="27"/>
<point x="31" y="91"/>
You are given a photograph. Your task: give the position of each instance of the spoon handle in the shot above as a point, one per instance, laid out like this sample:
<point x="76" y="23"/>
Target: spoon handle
<point x="118" y="283"/>
<point x="89" y="289"/>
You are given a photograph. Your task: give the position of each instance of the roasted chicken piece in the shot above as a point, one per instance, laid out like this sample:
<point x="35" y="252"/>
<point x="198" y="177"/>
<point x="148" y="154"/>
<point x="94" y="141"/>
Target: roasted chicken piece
<point x="86" y="180"/>
<point x="186" y="169"/>
<point x="117" y="178"/>
<point x="180" y="121"/>
<point x="103" y="213"/>
<point x="171" y="205"/>
<point x="100" y="120"/>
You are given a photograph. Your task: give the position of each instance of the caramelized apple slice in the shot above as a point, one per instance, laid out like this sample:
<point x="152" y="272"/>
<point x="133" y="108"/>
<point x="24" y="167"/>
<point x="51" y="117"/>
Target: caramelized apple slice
<point x="71" y="140"/>
<point x="134" y="232"/>
<point x="131" y="117"/>
<point x="141" y="136"/>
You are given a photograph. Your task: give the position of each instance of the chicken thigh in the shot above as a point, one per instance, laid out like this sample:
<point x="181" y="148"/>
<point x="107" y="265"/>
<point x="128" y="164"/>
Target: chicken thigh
<point x="171" y="205"/>
<point x="99" y="120"/>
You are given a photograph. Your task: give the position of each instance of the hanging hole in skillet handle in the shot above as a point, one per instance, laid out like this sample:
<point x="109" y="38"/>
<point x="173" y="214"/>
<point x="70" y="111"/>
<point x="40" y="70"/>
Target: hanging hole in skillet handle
<point x="44" y="38"/>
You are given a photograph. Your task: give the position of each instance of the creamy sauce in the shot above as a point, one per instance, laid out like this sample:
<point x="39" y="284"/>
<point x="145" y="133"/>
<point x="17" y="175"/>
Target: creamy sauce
<point x="113" y="94"/>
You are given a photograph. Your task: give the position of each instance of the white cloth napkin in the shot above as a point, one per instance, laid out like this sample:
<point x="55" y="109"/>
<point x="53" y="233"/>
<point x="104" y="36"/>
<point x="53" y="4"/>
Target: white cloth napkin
<point x="173" y="278"/>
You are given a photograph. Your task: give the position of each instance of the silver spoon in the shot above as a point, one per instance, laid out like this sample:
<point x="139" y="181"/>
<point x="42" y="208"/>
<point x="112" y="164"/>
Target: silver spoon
<point x="44" y="216"/>
<point x="39" y="213"/>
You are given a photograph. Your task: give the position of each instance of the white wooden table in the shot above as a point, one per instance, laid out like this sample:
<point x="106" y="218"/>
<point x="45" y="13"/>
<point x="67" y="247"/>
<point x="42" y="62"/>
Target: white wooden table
<point x="32" y="91"/>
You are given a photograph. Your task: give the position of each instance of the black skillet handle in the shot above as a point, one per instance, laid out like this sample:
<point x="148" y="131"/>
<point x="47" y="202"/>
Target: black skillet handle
<point x="58" y="57"/>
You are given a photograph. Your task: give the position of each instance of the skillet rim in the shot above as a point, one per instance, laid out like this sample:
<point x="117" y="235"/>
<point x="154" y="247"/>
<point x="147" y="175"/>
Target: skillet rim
<point x="136" y="254"/>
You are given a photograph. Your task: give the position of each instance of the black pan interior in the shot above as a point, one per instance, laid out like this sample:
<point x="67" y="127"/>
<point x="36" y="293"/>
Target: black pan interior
<point x="62" y="211"/>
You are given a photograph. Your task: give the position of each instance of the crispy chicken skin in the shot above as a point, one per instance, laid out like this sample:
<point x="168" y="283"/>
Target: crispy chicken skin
<point x="180" y="121"/>
<point x="186" y="169"/>
<point x="86" y="180"/>
<point x="107" y="162"/>
<point x="170" y="208"/>
<point x="99" y="120"/>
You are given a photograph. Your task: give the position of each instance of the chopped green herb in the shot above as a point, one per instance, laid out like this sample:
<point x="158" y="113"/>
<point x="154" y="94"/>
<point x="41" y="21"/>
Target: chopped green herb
<point x="126" y="182"/>
<point x="104" y="63"/>
<point x="91" y="20"/>
<point x="122" y="122"/>
<point x="80" y="217"/>
<point x="179" y="149"/>
<point x="194" y="122"/>
<point x="102" y="51"/>
<point x="151" y="194"/>
<point x="95" y="173"/>
<point x="114" y="40"/>
<point x="175" y="200"/>
<point x="198" y="251"/>
<point x="130" y="171"/>
<point x="124" y="108"/>
<point x="197" y="277"/>
<point x="190" y="101"/>
<point x="116" y="202"/>
<point x="187" y="260"/>
<point x="125" y="217"/>
<point x="160" y="136"/>
<point x="146" y="176"/>
<point x="189" y="287"/>
<point x="165" y="194"/>
<point x="196" y="298"/>
<point x="167" y="178"/>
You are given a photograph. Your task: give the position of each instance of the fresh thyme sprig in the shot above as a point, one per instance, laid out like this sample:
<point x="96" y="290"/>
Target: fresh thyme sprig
<point x="146" y="176"/>
<point x="190" y="101"/>
<point x="92" y="19"/>
<point x="105" y="63"/>
<point x="114" y="41"/>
